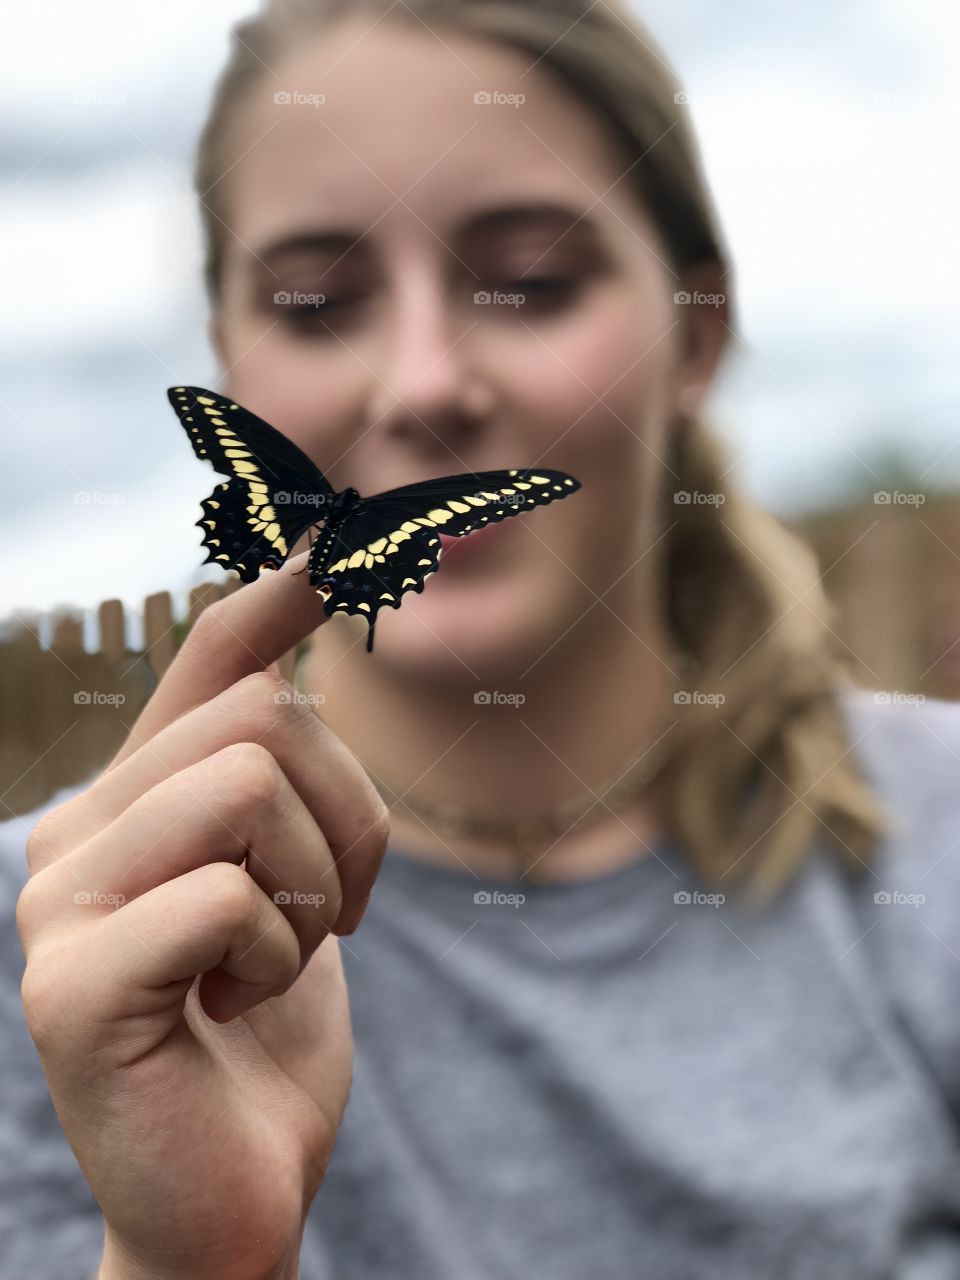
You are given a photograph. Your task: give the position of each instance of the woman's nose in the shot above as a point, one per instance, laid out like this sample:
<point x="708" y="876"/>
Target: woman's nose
<point x="427" y="383"/>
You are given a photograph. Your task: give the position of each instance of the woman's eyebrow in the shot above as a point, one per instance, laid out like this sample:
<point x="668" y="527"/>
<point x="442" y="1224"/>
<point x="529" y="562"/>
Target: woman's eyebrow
<point x="555" y="216"/>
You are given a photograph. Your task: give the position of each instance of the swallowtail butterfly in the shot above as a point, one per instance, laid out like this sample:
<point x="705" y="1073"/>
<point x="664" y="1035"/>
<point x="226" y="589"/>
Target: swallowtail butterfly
<point x="367" y="552"/>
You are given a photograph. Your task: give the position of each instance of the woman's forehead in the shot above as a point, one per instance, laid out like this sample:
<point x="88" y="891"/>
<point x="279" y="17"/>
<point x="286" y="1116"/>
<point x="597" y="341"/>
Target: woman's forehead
<point x="400" y="115"/>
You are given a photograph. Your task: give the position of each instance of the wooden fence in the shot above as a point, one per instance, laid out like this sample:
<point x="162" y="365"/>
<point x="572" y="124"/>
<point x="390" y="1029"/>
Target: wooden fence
<point x="65" y="708"/>
<point x="891" y="569"/>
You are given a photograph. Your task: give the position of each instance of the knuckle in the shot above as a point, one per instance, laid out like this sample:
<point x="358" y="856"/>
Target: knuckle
<point x="261" y="690"/>
<point x="45" y="839"/>
<point x="29" y="906"/>
<point x="380" y="826"/>
<point x="234" y="892"/>
<point x="372" y="820"/>
<point x="252" y="774"/>
<point x="41" y="996"/>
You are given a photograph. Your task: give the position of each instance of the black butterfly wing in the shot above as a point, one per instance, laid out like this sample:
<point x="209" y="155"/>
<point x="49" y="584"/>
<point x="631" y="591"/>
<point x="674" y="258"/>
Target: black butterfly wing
<point x="389" y="544"/>
<point x="457" y="505"/>
<point x="274" y="492"/>
<point x="372" y="561"/>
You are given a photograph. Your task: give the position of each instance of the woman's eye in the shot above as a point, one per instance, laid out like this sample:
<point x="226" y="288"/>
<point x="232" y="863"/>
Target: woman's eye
<point x="317" y="314"/>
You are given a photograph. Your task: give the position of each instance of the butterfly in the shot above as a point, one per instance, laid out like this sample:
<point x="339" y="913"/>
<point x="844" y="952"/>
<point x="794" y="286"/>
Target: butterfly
<point x="367" y="552"/>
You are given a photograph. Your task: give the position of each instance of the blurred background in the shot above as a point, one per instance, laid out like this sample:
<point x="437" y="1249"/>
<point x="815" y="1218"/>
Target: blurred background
<point x="829" y="133"/>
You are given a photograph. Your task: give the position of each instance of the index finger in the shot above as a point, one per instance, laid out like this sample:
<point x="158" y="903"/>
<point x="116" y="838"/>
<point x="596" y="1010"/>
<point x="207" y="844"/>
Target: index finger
<point x="242" y="633"/>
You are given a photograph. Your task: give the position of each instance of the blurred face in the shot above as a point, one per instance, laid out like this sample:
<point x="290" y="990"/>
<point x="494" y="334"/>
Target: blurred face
<point x="492" y="298"/>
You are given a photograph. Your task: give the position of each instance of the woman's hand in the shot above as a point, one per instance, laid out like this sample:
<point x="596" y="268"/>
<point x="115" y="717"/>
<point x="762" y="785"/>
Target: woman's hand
<point x="230" y="835"/>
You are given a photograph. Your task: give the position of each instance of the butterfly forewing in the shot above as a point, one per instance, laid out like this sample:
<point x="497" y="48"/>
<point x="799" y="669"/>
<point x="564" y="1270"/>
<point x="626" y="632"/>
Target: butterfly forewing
<point x="390" y="543"/>
<point x="274" y="492"/>
<point x="456" y="505"/>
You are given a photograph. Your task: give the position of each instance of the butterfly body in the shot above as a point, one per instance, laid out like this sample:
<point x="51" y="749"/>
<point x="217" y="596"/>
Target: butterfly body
<point x="367" y="552"/>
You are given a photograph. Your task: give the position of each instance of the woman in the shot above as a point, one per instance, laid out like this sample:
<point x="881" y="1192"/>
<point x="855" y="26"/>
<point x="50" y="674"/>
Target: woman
<point x="643" y="985"/>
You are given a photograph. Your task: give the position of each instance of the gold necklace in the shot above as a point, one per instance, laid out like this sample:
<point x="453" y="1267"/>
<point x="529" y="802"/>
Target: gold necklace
<point x="530" y="837"/>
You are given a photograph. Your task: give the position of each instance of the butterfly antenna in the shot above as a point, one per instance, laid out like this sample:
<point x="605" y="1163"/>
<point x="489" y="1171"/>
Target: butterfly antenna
<point x="370" y="636"/>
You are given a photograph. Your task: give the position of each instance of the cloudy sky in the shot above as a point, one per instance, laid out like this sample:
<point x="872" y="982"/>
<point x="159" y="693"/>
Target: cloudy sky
<point x="829" y="132"/>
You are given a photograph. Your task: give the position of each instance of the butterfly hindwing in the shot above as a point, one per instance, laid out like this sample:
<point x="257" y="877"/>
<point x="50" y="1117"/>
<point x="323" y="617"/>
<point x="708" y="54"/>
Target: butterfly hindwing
<point x="370" y="564"/>
<point x="273" y="494"/>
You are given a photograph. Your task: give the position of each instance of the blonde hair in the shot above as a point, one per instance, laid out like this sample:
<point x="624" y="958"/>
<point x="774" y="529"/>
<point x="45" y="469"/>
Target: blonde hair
<point x="754" y="778"/>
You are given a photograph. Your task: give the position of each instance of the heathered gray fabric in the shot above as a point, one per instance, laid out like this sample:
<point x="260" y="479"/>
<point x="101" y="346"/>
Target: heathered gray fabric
<point x="606" y="1082"/>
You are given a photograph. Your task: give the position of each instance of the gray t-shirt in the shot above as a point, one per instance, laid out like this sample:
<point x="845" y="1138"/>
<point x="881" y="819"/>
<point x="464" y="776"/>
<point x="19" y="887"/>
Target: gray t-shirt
<point x="616" y="1077"/>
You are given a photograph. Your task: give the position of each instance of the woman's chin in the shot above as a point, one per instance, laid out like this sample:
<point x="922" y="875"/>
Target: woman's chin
<point x="460" y="628"/>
